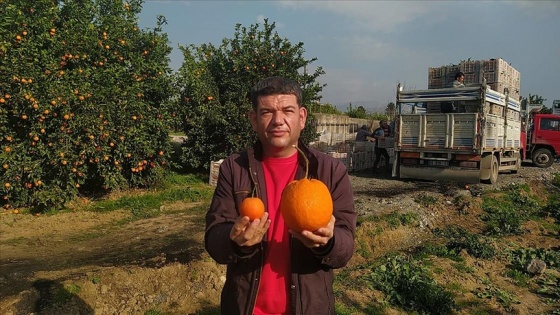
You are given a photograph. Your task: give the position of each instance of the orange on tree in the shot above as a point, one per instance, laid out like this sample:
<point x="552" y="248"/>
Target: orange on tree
<point x="306" y="204"/>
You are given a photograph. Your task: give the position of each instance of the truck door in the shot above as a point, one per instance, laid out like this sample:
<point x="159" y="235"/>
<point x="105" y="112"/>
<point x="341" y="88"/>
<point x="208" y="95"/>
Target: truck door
<point x="549" y="133"/>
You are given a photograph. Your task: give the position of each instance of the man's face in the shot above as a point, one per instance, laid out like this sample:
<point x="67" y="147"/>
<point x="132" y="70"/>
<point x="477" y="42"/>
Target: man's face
<point x="461" y="79"/>
<point x="278" y="122"/>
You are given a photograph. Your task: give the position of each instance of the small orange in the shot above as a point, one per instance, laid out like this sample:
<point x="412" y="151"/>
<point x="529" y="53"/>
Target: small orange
<point x="252" y="207"/>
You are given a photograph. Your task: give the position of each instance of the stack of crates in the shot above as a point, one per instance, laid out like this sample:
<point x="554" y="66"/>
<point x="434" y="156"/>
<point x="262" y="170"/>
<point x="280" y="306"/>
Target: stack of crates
<point x="499" y="75"/>
<point x="362" y="155"/>
<point x="214" y="172"/>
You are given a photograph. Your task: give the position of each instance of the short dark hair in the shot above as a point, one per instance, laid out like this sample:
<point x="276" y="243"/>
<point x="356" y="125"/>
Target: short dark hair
<point x="275" y="86"/>
<point x="458" y="75"/>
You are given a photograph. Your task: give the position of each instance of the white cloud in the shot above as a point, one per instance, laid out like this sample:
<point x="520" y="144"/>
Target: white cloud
<point x="385" y="16"/>
<point x="365" y="47"/>
<point x="539" y="6"/>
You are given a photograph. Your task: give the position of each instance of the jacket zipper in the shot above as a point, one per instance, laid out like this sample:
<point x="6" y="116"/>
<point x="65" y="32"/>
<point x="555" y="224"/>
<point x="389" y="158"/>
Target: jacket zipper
<point x="259" y="272"/>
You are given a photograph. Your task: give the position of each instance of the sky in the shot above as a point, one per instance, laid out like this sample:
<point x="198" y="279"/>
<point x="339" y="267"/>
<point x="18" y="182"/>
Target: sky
<point x="367" y="47"/>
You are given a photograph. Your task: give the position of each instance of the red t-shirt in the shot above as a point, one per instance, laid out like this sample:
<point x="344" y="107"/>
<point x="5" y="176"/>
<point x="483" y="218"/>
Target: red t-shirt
<point x="272" y="297"/>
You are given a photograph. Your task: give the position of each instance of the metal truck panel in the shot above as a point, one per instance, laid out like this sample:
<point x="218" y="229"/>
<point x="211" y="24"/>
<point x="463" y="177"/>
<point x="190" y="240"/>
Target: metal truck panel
<point x="438" y="131"/>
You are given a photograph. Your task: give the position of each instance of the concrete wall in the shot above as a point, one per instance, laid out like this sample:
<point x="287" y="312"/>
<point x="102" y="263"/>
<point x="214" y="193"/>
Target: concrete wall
<point x="336" y="129"/>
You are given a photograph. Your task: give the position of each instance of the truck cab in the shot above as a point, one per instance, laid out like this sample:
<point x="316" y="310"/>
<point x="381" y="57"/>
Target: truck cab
<point x="542" y="145"/>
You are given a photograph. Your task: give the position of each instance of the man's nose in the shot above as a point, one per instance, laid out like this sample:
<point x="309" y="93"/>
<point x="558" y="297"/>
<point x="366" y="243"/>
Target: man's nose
<point x="278" y="117"/>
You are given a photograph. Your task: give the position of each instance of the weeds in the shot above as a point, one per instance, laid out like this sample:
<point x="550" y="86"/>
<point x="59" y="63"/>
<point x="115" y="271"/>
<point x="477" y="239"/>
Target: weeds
<point x="406" y="283"/>
<point x="461" y="239"/>
<point x="507" y="212"/>
<point x="520" y="278"/>
<point x="556" y="179"/>
<point x="553" y="207"/>
<point x="426" y="200"/>
<point x="520" y="258"/>
<point x="64" y="294"/>
<point x="503" y="297"/>
<point x="550" y="287"/>
<point x="396" y="219"/>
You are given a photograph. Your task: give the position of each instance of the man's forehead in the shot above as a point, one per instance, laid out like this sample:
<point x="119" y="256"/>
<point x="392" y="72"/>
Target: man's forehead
<point x="283" y="100"/>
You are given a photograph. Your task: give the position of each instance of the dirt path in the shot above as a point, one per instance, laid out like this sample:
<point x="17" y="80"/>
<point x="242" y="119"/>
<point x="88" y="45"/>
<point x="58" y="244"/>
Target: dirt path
<point x="92" y="263"/>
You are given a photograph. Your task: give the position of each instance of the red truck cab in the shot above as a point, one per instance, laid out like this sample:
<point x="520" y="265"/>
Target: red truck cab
<point x="541" y="139"/>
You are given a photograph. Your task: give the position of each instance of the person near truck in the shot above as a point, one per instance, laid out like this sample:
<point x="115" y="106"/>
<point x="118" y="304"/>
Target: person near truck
<point x="362" y="134"/>
<point x="380" y="134"/>
<point x="459" y="80"/>
<point x="270" y="268"/>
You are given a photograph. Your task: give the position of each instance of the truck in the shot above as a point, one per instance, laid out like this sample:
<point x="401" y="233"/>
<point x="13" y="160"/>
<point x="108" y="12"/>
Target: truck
<point x="467" y="134"/>
<point x="540" y="138"/>
<point x="556" y="107"/>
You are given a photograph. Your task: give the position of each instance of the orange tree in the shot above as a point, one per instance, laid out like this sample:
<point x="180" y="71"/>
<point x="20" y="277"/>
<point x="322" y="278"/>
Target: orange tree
<point x="215" y="83"/>
<point x="83" y="96"/>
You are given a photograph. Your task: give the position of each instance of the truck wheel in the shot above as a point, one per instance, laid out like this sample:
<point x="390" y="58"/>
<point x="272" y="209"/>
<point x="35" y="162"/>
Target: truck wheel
<point x="517" y="166"/>
<point x="543" y="158"/>
<point x="493" y="179"/>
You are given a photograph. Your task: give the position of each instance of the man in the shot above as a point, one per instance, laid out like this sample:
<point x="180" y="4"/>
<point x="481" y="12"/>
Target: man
<point x="271" y="269"/>
<point x="380" y="134"/>
<point x="362" y="134"/>
<point x="459" y="80"/>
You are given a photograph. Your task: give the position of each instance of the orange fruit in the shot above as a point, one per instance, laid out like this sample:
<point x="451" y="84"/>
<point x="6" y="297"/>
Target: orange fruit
<point x="306" y="204"/>
<point x="252" y="207"/>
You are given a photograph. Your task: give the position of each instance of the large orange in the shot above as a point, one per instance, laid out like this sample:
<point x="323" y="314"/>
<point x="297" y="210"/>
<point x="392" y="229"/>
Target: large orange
<point x="306" y="204"/>
<point x="253" y="207"/>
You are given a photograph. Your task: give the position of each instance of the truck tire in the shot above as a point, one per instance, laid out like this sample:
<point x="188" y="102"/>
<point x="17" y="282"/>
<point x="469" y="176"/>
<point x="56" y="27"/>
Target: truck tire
<point x="542" y="158"/>
<point x="517" y="166"/>
<point x="493" y="179"/>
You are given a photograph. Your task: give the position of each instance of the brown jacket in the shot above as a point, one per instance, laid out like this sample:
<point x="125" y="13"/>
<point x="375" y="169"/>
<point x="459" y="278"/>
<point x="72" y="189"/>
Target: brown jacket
<point x="311" y="285"/>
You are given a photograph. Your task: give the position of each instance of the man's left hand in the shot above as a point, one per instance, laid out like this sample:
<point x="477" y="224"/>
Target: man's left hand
<point x="317" y="238"/>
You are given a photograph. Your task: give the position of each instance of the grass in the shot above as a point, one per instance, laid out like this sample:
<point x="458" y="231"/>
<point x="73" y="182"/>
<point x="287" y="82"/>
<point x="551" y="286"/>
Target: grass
<point x="507" y="210"/>
<point x="146" y="204"/>
<point x="65" y="293"/>
<point x="426" y="200"/>
<point x="406" y="282"/>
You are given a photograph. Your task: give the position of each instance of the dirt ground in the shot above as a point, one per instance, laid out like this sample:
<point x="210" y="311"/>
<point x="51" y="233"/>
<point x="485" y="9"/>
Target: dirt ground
<point x="83" y="263"/>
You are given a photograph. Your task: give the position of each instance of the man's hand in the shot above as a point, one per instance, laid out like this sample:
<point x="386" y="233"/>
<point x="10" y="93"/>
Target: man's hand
<point x="247" y="233"/>
<point x="317" y="238"/>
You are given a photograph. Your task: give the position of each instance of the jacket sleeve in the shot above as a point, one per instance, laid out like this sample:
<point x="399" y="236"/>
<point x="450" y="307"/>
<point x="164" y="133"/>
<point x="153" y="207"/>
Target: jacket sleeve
<point x="220" y="219"/>
<point x="342" y="246"/>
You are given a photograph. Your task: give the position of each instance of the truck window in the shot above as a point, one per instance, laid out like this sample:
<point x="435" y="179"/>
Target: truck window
<point x="550" y="124"/>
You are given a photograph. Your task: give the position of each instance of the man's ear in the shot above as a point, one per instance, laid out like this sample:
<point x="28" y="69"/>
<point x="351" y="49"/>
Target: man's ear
<point x="303" y="116"/>
<point x="253" y="119"/>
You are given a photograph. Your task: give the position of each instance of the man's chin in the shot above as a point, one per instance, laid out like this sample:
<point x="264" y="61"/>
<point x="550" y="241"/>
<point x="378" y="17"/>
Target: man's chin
<point x="279" y="144"/>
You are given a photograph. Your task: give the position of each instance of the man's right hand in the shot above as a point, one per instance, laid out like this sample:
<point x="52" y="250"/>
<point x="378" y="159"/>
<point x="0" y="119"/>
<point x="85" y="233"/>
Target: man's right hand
<point x="247" y="233"/>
